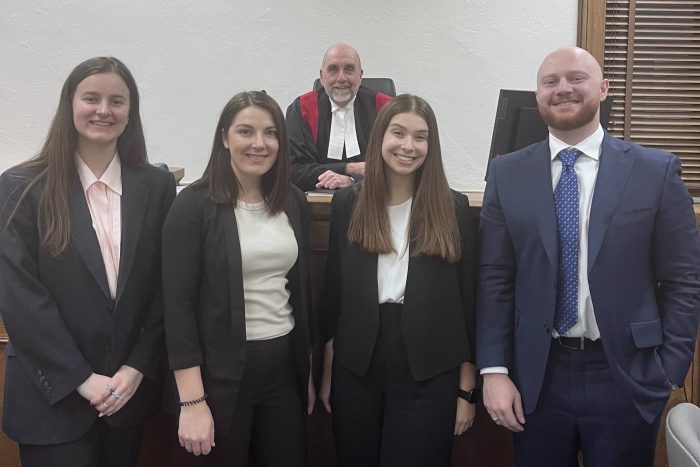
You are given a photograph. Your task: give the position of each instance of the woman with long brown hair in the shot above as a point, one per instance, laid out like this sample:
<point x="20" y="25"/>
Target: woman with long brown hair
<point x="80" y="278"/>
<point x="398" y="304"/>
<point x="235" y="247"/>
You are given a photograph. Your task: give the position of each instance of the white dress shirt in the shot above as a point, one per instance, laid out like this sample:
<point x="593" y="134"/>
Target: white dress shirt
<point x="343" y="131"/>
<point x="586" y="168"/>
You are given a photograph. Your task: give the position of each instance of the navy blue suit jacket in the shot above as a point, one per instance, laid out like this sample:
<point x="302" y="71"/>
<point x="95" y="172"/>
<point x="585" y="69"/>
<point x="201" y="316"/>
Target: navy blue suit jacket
<point x="643" y="270"/>
<point x="62" y="322"/>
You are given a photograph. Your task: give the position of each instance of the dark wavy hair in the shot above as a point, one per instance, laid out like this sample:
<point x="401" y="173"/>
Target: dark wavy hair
<point x="219" y="177"/>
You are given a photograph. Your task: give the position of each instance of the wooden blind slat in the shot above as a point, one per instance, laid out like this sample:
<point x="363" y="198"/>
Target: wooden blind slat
<point x="652" y="61"/>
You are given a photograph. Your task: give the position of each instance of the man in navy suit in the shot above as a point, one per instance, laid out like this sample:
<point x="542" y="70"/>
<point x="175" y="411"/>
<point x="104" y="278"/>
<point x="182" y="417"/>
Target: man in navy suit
<point x="589" y="282"/>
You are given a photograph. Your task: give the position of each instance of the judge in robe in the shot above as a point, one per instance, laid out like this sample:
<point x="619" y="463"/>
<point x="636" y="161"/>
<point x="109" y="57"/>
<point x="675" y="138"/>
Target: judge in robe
<point x="329" y="127"/>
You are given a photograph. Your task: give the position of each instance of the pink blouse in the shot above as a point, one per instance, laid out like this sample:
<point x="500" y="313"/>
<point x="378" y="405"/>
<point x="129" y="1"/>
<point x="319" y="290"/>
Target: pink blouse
<point x="103" y="198"/>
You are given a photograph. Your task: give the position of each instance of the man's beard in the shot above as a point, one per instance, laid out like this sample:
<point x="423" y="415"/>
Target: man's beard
<point x="582" y="117"/>
<point x="342" y="95"/>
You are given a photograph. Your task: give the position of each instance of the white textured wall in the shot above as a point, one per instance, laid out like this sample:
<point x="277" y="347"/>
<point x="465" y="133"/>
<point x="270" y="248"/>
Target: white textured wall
<point x="190" y="57"/>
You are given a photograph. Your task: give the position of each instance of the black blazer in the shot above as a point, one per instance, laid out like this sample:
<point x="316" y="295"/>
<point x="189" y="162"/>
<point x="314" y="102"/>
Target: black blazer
<point x="62" y="322"/>
<point x="438" y="312"/>
<point x="204" y="303"/>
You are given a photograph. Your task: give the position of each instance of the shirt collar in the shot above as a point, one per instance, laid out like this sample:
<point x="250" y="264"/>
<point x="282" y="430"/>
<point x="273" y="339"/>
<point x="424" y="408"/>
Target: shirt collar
<point x="589" y="146"/>
<point x="112" y="177"/>
<point x="348" y="106"/>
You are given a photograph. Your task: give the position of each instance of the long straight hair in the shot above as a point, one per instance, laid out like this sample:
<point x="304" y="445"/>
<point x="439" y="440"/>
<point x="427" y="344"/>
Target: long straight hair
<point x="55" y="160"/>
<point x="219" y="177"/>
<point x="433" y="224"/>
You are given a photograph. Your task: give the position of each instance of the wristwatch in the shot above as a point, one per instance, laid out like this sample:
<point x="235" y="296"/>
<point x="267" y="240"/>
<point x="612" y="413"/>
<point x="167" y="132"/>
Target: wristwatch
<point x="470" y="396"/>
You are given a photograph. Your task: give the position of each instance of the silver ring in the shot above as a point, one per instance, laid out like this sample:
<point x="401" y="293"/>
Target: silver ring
<point x="109" y="388"/>
<point x="117" y="396"/>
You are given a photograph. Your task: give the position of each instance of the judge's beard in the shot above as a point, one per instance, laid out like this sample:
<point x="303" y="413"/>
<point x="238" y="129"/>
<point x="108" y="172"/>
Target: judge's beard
<point x="342" y="96"/>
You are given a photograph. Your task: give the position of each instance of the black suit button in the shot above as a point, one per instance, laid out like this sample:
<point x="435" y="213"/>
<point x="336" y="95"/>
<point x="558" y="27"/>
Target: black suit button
<point x="110" y="306"/>
<point x="42" y="379"/>
<point x="39" y="373"/>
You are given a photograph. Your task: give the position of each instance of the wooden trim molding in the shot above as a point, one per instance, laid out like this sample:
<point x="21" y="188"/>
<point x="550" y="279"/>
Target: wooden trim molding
<point x="591" y="27"/>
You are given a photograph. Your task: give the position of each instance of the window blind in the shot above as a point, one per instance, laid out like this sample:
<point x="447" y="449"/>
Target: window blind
<point x="652" y="59"/>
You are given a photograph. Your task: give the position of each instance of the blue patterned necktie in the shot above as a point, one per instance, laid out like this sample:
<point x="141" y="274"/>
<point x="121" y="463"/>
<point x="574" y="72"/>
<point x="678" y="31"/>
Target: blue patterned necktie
<point x="566" y="205"/>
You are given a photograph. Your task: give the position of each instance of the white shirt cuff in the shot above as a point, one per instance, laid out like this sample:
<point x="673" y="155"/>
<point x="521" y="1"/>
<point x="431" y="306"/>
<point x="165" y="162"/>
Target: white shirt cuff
<point x="494" y="369"/>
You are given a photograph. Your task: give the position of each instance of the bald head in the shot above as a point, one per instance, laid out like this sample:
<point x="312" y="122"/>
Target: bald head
<point x="340" y="50"/>
<point x="570" y="88"/>
<point x="571" y="57"/>
<point x="341" y="73"/>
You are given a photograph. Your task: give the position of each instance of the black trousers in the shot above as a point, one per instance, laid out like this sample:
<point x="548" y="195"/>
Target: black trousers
<point x="387" y="418"/>
<point x="102" y="446"/>
<point x="581" y="407"/>
<point x="268" y="420"/>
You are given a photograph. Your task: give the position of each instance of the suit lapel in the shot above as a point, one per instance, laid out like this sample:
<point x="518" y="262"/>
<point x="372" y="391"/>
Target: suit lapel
<point x="135" y="193"/>
<point x="613" y="172"/>
<point x="413" y="279"/>
<point x="294" y="218"/>
<point x="295" y="221"/>
<point x="362" y="267"/>
<point x="84" y="236"/>
<point x="537" y="179"/>
<point x="235" y="272"/>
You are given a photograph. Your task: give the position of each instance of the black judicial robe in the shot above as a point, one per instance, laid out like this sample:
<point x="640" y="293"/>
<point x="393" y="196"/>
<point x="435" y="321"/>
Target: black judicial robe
<point x="309" y="153"/>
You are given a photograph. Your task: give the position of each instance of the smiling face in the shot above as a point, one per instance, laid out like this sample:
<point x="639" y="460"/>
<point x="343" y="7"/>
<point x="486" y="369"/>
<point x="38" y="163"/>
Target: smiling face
<point x="570" y="88"/>
<point x="405" y="145"/>
<point x="252" y="142"/>
<point x="100" y="110"/>
<point x="341" y="73"/>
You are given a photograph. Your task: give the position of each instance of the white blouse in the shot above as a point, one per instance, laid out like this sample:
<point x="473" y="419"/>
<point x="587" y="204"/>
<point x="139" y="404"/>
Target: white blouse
<point x="392" y="268"/>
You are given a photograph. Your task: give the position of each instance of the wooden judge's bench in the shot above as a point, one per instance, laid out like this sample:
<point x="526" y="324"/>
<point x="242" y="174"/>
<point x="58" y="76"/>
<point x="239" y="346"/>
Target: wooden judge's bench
<point x="484" y="444"/>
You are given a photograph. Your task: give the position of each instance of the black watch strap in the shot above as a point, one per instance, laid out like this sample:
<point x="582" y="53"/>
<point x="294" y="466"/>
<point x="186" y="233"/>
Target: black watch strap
<point x="470" y="396"/>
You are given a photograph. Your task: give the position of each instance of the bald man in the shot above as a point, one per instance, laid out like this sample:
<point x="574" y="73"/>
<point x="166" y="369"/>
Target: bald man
<point x="329" y="128"/>
<point x="589" y="282"/>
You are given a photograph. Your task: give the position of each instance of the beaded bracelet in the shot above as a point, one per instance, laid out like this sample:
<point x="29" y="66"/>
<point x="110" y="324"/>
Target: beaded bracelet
<point x="193" y="402"/>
